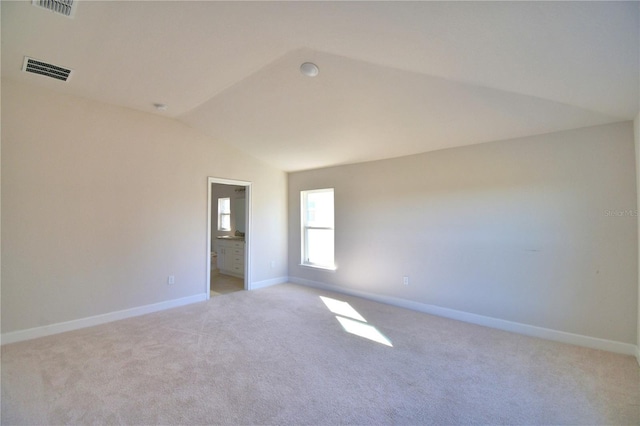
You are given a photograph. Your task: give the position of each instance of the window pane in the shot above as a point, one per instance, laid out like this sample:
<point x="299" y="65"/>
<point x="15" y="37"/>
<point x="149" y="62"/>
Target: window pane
<point x="224" y="205"/>
<point x="225" y="222"/>
<point x="320" y="246"/>
<point x="319" y="209"/>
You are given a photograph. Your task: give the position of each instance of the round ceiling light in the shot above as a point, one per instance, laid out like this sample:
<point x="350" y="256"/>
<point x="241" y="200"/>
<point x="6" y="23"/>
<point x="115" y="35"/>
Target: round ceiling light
<point x="309" y="69"/>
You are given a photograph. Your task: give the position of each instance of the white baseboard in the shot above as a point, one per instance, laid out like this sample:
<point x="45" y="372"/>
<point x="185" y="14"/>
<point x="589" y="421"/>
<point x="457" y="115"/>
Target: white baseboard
<point x="61" y="327"/>
<point x="267" y="283"/>
<point x="528" y="330"/>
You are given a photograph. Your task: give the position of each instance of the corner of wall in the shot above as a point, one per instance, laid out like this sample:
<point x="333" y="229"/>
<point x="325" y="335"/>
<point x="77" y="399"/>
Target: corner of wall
<point x="636" y="138"/>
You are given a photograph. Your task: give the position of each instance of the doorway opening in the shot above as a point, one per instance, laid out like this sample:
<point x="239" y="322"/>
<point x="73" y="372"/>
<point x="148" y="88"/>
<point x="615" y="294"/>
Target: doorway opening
<point x="228" y="236"/>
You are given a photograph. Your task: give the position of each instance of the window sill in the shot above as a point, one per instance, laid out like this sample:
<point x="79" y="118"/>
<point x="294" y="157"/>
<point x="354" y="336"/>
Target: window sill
<point x="323" y="268"/>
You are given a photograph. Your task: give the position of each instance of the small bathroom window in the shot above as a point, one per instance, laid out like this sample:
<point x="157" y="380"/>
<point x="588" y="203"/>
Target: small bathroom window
<point x="224" y="214"/>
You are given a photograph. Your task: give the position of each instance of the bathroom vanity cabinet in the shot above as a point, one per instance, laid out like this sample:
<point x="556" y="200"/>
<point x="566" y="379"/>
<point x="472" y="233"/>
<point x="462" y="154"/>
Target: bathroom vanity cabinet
<point x="230" y="257"/>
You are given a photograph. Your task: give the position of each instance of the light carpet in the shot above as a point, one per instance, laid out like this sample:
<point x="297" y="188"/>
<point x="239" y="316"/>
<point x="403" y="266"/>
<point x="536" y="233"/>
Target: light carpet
<point x="280" y="356"/>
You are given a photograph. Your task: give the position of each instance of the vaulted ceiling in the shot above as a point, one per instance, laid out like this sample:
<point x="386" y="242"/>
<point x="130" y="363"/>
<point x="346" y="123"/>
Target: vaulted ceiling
<point x="396" y="78"/>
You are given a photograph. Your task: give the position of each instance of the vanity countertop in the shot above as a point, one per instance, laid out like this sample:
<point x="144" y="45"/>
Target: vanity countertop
<point x="230" y="237"/>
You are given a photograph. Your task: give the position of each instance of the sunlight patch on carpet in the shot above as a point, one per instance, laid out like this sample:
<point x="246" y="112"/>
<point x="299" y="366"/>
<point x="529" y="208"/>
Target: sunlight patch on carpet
<point x="339" y="307"/>
<point x="354" y="323"/>
<point x="363" y="330"/>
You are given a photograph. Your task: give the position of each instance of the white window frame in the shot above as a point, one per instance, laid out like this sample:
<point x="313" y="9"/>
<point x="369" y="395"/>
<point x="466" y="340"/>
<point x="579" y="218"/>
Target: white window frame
<point x="305" y="227"/>
<point x="222" y="214"/>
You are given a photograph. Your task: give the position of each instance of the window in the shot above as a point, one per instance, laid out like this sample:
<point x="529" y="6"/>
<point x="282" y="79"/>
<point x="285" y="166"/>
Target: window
<point x="224" y="214"/>
<point x="317" y="228"/>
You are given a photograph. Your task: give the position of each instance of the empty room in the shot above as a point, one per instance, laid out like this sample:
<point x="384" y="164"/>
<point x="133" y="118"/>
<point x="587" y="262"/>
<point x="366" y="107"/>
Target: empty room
<point x="297" y="212"/>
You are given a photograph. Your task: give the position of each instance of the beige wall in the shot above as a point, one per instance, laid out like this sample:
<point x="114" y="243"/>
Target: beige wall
<point x="101" y="204"/>
<point x="636" y="133"/>
<point x="538" y="231"/>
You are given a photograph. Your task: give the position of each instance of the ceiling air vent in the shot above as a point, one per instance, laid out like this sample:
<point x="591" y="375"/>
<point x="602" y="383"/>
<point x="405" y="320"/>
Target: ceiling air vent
<point x="48" y="70"/>
<point x="62" y="7"/>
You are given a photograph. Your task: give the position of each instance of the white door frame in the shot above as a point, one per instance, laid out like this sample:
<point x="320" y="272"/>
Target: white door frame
<point x="247" y="238"/>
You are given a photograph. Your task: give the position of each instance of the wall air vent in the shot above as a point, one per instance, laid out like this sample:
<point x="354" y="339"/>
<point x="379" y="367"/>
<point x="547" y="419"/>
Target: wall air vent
<point x="62" y="7"/>
<point x="48" y="70"/>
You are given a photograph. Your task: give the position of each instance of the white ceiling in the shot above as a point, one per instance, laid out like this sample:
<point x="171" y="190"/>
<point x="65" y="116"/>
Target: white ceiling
<point x="396" y="78"/>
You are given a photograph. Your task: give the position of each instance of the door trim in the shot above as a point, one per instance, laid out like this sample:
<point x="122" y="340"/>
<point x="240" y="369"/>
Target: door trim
<point x="247" y="238"/>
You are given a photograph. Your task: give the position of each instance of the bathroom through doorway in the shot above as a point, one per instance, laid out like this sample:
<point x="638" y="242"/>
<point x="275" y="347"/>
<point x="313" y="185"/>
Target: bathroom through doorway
<point x="228" y="236"/>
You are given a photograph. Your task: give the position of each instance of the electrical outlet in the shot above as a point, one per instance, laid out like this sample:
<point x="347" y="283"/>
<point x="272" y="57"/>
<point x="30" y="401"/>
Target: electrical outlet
<point x="273" y="264"/>
<point x="405" y="280"/>
<point x="171" y="280"/>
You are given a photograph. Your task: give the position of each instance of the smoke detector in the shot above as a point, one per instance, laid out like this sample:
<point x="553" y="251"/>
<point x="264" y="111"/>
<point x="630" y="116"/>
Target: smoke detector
<point x="309" y="69"/>
<point x="61" y="7"/>
<point x="48" y="70"/>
